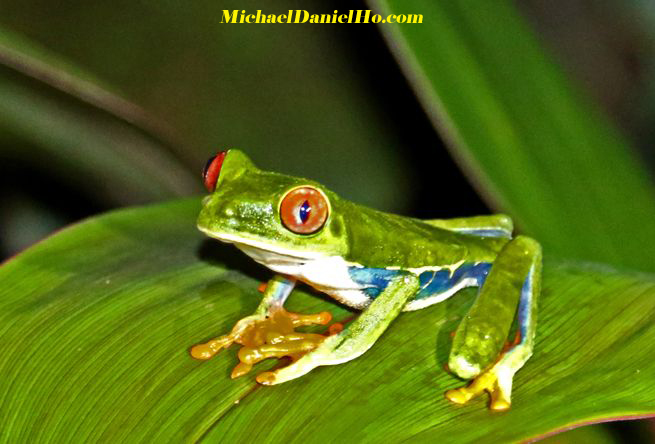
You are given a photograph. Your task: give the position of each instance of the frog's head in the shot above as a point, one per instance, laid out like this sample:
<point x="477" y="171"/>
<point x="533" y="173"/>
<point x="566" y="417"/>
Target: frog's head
<point x="272" y="217"/>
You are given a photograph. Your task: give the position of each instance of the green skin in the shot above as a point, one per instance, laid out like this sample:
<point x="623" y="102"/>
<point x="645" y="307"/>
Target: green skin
<point x="244" y="209"/>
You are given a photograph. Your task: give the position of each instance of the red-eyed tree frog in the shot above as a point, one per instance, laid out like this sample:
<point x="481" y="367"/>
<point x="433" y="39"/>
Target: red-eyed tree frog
<point x="376" y="262"/>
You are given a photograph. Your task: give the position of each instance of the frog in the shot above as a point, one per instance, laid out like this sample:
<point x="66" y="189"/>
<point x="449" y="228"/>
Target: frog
<point x="378" y="263"/>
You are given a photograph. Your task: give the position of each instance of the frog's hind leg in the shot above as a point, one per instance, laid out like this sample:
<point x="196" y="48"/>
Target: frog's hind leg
<point x="495" y="225"/>
<point x="357" y="338"/>
<point x="477" y="353"/>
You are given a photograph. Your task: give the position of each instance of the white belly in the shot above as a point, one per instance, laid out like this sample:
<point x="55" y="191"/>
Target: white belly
<point x="330" y="275"/>
<point x="327" y="274"/>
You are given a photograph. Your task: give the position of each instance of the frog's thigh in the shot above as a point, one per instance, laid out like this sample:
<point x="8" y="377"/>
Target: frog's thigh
<point x="496" y="225"/>
<point x="514" y="280"/>
<point x="357" y="338"/>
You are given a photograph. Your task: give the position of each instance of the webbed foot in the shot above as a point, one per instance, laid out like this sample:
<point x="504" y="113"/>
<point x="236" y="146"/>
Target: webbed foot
<point x="270" y="336"/>
<point x="210" y="348"/>
<point x="497" y="381"/>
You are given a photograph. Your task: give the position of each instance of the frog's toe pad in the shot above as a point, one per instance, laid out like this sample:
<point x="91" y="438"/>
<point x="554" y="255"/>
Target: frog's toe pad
<point x="209" y="349"/>
<point x="494" y="381"/>
<point x="266" y="378"/>
<point x="201" y="352"/>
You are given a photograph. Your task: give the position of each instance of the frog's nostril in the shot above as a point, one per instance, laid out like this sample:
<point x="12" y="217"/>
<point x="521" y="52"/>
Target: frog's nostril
<point x="205" y="200"/>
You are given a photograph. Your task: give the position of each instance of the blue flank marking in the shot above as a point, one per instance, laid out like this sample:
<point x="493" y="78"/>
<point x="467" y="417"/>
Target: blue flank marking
<point x="486" y="233"/>
<point x="375" y="280"/>
<point x="524" y="306"/>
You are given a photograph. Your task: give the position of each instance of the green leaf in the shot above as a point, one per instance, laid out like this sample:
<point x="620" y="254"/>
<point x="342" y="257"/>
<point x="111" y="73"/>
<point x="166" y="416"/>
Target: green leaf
<point x="531" y="143"/>
<point x="96" y="321"/>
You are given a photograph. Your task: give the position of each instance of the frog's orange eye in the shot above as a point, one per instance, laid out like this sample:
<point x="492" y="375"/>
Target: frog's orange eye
<point x="212" y="170"/>
<point x="304" y="210"/>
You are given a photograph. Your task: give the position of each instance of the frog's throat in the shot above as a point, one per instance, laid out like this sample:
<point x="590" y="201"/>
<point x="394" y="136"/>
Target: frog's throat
<point x="262" y="250"/>
<point x="277" y="262"/>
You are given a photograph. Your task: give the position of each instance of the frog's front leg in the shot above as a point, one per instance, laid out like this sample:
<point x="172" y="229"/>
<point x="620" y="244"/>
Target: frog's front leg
<point x="269" y="323"/>
<point x="357" y="338"/>
<point x="514" y="280"/>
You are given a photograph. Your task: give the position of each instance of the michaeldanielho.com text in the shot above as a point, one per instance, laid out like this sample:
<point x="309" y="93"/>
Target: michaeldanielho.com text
<point x="303" y="16"/>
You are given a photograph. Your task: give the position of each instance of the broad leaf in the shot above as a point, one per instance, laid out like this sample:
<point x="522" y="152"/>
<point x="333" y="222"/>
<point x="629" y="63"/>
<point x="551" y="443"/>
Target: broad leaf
<point x="95" y="323"/>
<point x="532" y="144"/>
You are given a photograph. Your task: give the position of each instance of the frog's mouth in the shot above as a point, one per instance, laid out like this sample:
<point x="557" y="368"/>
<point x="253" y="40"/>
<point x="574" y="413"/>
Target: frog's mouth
<point x="265" y="253"/>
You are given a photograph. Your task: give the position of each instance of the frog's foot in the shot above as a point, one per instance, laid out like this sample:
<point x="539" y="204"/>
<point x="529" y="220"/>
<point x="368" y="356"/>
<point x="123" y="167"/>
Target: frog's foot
<point x="245" y="328"/>
<point x="293" y="345"/>
<point x="497" y="381"/>
<point x="254" y="331"/>
<point x="267" y="336"/>
<point x="302" y="347"/>
<point x="281" y="340"/>
<point x="345" y="345"/>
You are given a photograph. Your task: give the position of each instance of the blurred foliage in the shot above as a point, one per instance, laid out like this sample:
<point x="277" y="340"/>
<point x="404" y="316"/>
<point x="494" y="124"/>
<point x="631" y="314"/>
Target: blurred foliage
<point x="79" y="127"/>
<point x="256" y="88"/>
<point x="609" y="48"/>
<point x="531" y="142"/>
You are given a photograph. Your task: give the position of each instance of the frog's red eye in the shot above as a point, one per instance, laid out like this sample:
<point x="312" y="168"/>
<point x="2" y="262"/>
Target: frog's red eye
<point x="304" y="210"/>
<point x="212" y="170"/>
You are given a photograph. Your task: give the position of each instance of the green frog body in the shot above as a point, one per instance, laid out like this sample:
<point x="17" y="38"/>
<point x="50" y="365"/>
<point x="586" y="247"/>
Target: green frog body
<point x="376" y="262"/>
